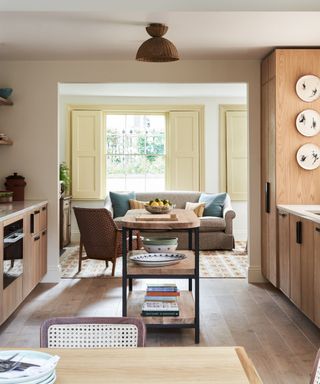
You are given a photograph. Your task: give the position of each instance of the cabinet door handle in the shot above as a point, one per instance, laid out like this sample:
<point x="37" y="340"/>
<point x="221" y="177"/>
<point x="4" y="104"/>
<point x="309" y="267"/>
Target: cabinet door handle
<point x="44" y="208"/>
<point x="317" y="229"/>
<point x="31" y="223"/>
<point x="267" y="197"/>
<point x="36" y="212"/>
<point x="299" y="232"/>
<point x="44" y="233"/>
<point x="37" y="238"/>
<point x="283" y="214"/>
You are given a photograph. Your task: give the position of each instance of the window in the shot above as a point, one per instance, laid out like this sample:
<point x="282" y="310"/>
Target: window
<point x="135" y="152"/>
<point x="132" y="148"/>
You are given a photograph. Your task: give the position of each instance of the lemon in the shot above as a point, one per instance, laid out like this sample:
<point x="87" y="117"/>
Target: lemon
<point x="154" y="204"/>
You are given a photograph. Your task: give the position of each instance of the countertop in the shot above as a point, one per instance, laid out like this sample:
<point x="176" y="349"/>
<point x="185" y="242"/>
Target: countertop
<point x="8" y="210"/>
<point x="305" y="211"/>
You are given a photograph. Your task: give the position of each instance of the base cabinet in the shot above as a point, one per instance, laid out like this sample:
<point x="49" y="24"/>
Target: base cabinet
<point x="284" y="251"/>
<point x="316" y="232"/>
<point x="35" y="260"/>
<point x="299" y="262"/>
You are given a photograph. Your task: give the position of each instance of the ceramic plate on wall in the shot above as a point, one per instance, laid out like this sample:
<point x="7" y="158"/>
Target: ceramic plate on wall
<point x="308" y="156"/>
<point x="308" y="88"/>
<point x="308" y="122"/>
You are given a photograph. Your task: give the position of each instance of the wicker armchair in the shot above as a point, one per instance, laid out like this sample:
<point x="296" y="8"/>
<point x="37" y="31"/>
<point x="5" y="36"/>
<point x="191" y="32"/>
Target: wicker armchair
<point x="100" y="236"/>
<point x="92" y="332"/>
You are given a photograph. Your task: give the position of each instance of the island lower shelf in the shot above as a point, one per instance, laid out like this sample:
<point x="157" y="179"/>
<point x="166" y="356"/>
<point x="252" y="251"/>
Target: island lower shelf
<point x="185" y="303"/>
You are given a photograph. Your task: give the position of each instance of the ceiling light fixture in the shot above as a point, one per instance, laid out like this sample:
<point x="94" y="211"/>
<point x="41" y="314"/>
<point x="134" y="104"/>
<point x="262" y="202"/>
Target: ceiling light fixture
<point x="157" y="49"/>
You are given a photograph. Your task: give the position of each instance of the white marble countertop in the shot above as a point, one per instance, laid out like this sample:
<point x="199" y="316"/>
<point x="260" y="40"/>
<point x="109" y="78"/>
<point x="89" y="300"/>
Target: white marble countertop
<point x="306" y="211"/>
<point x="8" y="210"/>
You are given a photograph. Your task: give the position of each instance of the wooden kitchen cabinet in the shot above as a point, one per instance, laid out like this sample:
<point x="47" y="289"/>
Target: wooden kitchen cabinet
<point x="316" y="233"/>
<point x="35" y="260"/>
<point x="284" y="251"/>
<point x="283" y="181"/>
<point x="65" y="221"/>
<point x="302" y="264"/>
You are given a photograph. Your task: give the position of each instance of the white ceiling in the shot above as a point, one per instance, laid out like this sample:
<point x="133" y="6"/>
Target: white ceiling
<point x="154" y="90"/>
<point x="200" y="29"/>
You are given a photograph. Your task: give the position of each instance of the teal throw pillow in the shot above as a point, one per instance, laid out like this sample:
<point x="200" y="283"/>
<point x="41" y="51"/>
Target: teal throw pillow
<point x="120" y="202"/>
<point x="214" y="203"/>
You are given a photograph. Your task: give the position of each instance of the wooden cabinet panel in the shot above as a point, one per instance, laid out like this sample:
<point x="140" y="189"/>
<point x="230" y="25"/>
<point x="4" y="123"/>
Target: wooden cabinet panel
<point x="35" y="221"/>
<point x="295" y="262"/>
<point x="12" y="297"/>
<point x="43" y="254"/>
<point x="284" y="252"/>
<point x="317" y="274"/>
<point x="307" y="268"/>
<point x="65" y="221"/>
<point x="43" y="218"/>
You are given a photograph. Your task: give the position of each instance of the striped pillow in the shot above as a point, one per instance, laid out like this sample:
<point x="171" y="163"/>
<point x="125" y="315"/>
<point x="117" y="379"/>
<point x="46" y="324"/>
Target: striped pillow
<point x="136" y="204"/>
<point x="197" y="208"/>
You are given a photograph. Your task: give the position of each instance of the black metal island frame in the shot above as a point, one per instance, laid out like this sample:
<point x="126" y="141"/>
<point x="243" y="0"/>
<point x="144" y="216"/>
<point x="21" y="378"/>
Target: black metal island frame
<point x="188" y="268"/>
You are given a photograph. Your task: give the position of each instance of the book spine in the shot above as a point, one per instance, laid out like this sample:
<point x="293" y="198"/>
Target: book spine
<point x="160" y="298"/>
<point x="166" y="289"/>
<point x="161" y="293"/>
<point x="160" y="313"/>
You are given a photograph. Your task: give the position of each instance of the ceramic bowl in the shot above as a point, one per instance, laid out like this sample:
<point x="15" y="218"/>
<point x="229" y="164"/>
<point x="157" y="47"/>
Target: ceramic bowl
<point x="160" y="244"/>
<point x="5" y="92"/>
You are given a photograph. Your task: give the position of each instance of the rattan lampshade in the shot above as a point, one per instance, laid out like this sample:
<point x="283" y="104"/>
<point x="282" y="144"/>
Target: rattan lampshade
<point x="157" y="49"/>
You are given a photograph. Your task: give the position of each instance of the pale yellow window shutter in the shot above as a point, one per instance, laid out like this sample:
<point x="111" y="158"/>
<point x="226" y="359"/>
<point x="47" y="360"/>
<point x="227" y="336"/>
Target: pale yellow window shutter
<point x="237" y="157"/>
<point x="183" y="151"/>
<point x="87" y="152"/>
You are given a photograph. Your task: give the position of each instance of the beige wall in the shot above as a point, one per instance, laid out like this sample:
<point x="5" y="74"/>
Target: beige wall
<point x="32" y="124"/>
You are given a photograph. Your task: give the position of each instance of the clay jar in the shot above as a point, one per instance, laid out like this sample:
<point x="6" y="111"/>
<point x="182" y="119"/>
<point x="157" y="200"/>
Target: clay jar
<point x="16" y="184"/>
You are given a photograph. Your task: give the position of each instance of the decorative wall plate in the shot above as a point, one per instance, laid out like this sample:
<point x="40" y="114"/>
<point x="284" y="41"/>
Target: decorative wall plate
<point x="308" y="156"/>
<point x="308" y="88"/>
<point x="308" y="122"/>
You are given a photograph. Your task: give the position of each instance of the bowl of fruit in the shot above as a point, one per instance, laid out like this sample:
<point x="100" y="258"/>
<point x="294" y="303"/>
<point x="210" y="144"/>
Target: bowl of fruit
<point x="159" y="206"/>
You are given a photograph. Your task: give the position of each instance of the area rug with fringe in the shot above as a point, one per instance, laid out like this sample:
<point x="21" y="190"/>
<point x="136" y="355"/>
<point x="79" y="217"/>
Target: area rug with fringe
<point x="213" y="264"/>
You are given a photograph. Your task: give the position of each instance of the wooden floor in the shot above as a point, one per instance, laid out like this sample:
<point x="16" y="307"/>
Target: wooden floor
<point x="281" y="342"/>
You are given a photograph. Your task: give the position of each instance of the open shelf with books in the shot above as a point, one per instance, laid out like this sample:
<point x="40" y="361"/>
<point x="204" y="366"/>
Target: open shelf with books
<point x="182" y="309"/>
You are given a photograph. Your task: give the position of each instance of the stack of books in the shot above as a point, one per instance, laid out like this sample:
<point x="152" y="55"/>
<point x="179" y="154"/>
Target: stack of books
<point x="161" y="300"/>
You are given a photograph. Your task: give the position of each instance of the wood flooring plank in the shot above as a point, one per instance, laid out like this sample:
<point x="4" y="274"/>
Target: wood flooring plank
<point x="280" y="340"/>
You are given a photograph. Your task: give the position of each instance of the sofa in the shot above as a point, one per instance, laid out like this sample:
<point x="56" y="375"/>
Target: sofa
<point x="215" y="232"/>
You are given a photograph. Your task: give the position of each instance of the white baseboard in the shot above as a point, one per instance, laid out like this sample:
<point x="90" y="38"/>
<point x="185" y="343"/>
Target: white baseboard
<point x="53" y="274"/>
<point x="255" y="275"/>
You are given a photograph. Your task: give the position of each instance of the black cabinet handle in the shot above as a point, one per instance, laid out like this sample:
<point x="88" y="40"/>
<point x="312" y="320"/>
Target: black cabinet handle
<point x="44" y="208"/>
<point x="283" y="214"/>
<point x="267" y="197"/>
<point x="31" y="223"/>
<point x="299" y="232"/>
<point x="37" y="238"/>
<point x="317" y="229"/>
<point x="44" y="233"/>
<point x="36" y="212"/>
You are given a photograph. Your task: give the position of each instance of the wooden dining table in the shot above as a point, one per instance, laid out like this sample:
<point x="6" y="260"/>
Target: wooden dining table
<point x="178" y="365"/>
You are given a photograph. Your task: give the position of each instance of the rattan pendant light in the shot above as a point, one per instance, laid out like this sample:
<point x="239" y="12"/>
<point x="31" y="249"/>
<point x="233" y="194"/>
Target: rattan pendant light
<point x="157" y="49"/>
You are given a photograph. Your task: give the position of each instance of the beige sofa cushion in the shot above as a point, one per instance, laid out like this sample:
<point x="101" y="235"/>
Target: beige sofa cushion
<point x="212" y="224"/>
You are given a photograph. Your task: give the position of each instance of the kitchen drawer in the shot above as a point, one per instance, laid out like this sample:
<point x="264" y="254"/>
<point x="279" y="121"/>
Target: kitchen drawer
<point x="43" y="217"/>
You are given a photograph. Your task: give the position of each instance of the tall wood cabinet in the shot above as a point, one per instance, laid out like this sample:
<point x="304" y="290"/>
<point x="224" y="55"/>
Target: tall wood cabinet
<point x="282" y="180"/>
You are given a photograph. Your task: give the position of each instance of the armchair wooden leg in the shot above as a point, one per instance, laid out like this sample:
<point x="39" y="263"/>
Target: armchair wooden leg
<point x="107" y="264"/>
<point x="80" y="255"/>
<point x="113" y="266"/>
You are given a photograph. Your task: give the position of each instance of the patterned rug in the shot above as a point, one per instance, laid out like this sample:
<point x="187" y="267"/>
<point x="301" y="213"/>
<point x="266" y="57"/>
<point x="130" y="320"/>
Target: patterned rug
<point x="213" y="264"/>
